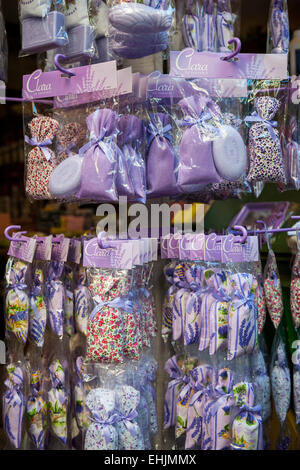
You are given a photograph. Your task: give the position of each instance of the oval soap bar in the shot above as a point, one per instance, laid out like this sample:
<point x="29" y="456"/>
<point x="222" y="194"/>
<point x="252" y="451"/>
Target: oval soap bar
<point x="229" y="154"/>
<point x="65" y="179"/>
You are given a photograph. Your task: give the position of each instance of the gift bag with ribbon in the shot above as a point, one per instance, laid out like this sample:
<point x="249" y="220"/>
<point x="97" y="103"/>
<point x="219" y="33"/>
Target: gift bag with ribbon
<point x="17" y="300"/>
<point x="56" y="297"/>
<point x="174" y="368"/>
<point x="272" y="288"/>
<point x="264" y="148"/>
<point x="260" y="300"/>
<point x="217" y="413"/>
<point x="150" y="372"/>
<point x="14" y="405"/>
<point x="202" y="376"/>
<point x="247" y="429"/>
<point x="107" y="332"/>
<point x="82" y="302"/>
<point x="161" y="158"/>
<point x="57" y="401"/>
<point x="40" y="161"/>
<point x="195" y="279"/>
<point x="191" y="25"/>
<point x="202" y="118"/>
<point x="225" y="24"/>
<point x="101" y="433"/>
<point x="36" y="410"/>
<point x="218" y="314"/>
<point x="129" y="434"/>
<point x="98" y="171"/>
<point x="167" y="314"/>
<point x="185" y="394"/>
<point x="131" y="134"/>
<point x="37" y="308"/>
<point x="242" y="316"/>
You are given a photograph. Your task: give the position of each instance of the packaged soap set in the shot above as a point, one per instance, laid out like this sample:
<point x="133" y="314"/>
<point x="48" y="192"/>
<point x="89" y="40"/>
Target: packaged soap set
<point x="57" y="24"/>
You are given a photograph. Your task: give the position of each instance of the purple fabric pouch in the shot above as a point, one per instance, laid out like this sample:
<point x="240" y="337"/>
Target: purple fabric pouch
<point x="131" y="133"/>
<point x="56" y="297"/>
<point x="196" y="148"/>
<point x="161" y="160"/>
<point x="100" y="157"/>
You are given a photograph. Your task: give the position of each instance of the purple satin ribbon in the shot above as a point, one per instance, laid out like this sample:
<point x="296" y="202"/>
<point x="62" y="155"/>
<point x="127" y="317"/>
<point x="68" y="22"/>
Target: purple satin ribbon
<point x="52" y="287"/>
<point x="187" y="388"/>
<point x="269" y="124"/>
<point x="249" y="301"/>
<point x="119" y="303"/>
<point x="42" y="145"/>
<point x="99" y="141"/>
<point x="200" y="390"/>
<point x="127" y="420"/>
<point x="104" y="423"/>
<point x="153" y="131"/>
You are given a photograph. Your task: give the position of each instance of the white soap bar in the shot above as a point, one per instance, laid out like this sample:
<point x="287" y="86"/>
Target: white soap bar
<point x="65" y="179"/>
<point x="229" y="153"/>
<point x="37" y="8"/>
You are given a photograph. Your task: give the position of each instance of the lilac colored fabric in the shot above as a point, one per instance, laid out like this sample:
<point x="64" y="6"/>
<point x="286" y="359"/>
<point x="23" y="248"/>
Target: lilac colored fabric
<point x="131" y="133"/>
<point x="56" y="297"/>
<point x="138" y="18"/>
<point x="161" y="160"/>
<point x="100" y="158"/>
<point x="196" y="153"/>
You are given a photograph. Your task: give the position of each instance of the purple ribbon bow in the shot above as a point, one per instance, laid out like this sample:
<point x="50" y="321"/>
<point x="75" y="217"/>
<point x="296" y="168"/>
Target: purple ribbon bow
<point x="104" y="423"/>
<point x="42" y="145"/>
<point x="269" y="124"/>
<point x="127" y="420"/>
<point x="153" y="130"/>
<point x="118" y="302"/>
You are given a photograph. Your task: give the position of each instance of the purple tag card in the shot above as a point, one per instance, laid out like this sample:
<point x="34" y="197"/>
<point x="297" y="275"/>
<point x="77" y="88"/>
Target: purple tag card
<point x="197" y="252"/>
<point x="74" y="254"/>
<point x="223" y="88"/>
<point x="213" y="248"/>
<point x="87" y="79"/>
<point x="44" y="249"/>
<point x="154" y="248"/>
<point x="235" y="252"/>
<point x="165" y="86"/>
<point x="124" y="79"/>
<point x="23" y="250"/>
<point x="60" y="249"/>
<point x="189" y="63"/>
<point x="185" y="246"/>
<point x="117" y="256"/>
<point x="164" y="241"/>
<point x="173" y="246"/>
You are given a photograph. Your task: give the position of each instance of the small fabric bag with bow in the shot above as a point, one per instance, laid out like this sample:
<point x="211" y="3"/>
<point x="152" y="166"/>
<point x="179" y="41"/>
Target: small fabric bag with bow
<point x="130" y="436"/>
<point x="14" y="405"/>
<point x="195" y="279"/>
<point x="56" y="297"/>
<point x="242" y="316"/>
<point x="82" y="302"/>
<point x="264" y="148"/>
<point x="17" y="300"/>
<point x="107" y="339"/>
<point x="36" y="411"/>
<point x="37" y="308"/>
<point x="58" y="401"/>
<point x="273" y="290"/>
<point x="40" y="160"/>
<point x="202" y="376"/>
<point x="247" y="429"/>
<point x="101" y="433"/>
<point x="100" y="158"/>
<point x="196" y="165"/>
<point x="161" y="159"/>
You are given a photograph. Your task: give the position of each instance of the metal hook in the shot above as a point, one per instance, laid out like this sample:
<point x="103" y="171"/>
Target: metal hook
<point x="9" y="237"/>
<point x="238" y="46"/>
<point x="244" y="236"/>
<point x="101" y="241"/>
<point x="57" y="59"/>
